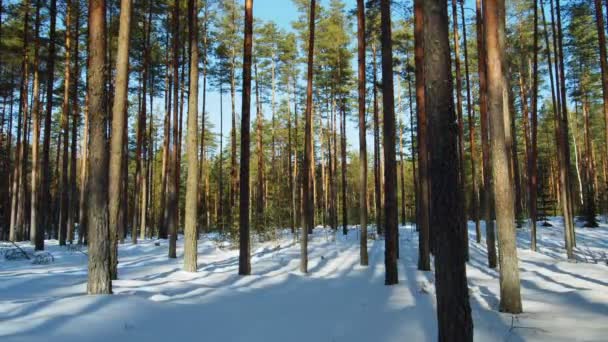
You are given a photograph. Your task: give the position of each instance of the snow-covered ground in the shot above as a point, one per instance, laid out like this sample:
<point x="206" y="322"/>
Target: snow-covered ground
<point x="337" y="301"/>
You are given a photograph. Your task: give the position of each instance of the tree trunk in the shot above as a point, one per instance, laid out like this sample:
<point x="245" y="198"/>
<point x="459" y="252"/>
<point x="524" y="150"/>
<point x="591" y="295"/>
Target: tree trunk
<point x="494" y="21"/>
<point x="362" y="131"/>
<point x="459" y="116"/>
<point x="45" y="180"/>
<point x="532" y="165"/>
<point x="455" y="322"/>
<point x="377" y="180"/>
<point x="117" y="142"/>
<point x="566" y="188"/>
<point x="244" y="243"/>
<point x="343" y="166"/>
<point x="422" y="212"/>
<point x="191" y="213"/>
<point x="65" y="114"/>
<point x="72" y="188"/>
<point x="99" y="279"/>
<point x="172" y="175"/>
<point x="36" y="234"/>
<point x="390" y="166"/>
<point x="488" y="196"/>
<point x="471" y="121"/>
<point x="308" y="173"/>
<point x="84" y="156"/>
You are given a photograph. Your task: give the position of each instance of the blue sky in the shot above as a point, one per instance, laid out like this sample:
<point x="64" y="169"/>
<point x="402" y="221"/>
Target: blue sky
<point x="282" y="12"/>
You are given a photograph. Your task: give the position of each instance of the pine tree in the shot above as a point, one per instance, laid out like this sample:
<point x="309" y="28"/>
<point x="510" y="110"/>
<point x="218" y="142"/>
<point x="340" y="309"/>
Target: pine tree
<point x="453" y="308"/>
<point x="119" y="111"/>
<point x="99" y="278"/>
<point x="494" y="36"/>
<point x="245" y="252"/>
<point x="308" y="166"/>
<point x="390" y="169"/>
<point x="191" y="215"/>
<point x="362" y="132"/>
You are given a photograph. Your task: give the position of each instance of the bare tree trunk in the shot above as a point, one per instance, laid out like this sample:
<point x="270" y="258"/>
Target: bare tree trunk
<point x="244" y="243"/>
<point x="72" y="188"/>
<point x="362" y="131"/>
<point x="565" y="167"/>
<point x="191" y="214"/>
<point x="36" y="234"/>
<point x="82" y="222"/>
<point x="343" y="167"/>
<point x="163" y="210"/>
<point x="119" y="111"/>
<point x="173" y="173"/>
<point x="308" y="174"/>
<point x="65" y="115"/>
<point x="532" y="166"/>
<point x="488" y="196"/>
<point x="45" y="180"/>
<point x="422" y="212"/>
<point x="99" y="279"/>
<point x="455" y="321"/>
<point x="260" y="204"/>
<point x="494" y="21"/>
<point x="471" y="120"/>
<point x="459" y="116"/>
<point x="390" y="169"/>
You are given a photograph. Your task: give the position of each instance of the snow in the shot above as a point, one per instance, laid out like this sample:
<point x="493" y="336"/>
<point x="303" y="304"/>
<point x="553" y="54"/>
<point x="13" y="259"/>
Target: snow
<point x="337" y="301"/>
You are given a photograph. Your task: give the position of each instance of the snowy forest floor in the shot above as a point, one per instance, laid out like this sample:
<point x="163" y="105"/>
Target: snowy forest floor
<point x="337" y="301"/>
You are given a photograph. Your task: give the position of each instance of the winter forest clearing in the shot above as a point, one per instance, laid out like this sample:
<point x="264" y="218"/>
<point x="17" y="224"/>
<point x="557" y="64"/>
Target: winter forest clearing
<point x="331" y="170"/>
<point x="155" y="300"/>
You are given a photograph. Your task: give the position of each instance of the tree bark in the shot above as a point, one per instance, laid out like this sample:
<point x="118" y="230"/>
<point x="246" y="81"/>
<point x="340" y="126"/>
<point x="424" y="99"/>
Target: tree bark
<point x="308" y="172"/>
<point x="173" y="173"/>
<point x="45" y="176"/>
<point x="36" y="234"/>
<point x="471" y="121"/>
<point x="99" y="279"/>
<point x="362" y="131"/>
<point x="65" y="115"/>
<point x="244" y="243"/>
<point x="488" y="196"/>
<point x="494" y="21"/>
<point x="422" y="212"/>
<point x="117" y="141"/>
<point x="191" y="213"/>
<point x="390" y="166"/>
<point x="455" y="321"/>
<point x="532" y="166"/>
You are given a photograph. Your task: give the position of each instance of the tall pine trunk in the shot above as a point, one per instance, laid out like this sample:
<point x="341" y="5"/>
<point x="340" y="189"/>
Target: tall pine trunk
<point x="191" y="213"/>
<point x="390" y="166"/>
<point x="494" y="21"/>
<point x="488" y="196"/>
<point x="422" y="210"/>
<point x="308" y="172"/>
<point x="65" y="115"/>
<point x="244" y="243"/>
<point x="471" y="121"/>
<point x="173" y="172"/>
<point x="362" y="131"/>
<point x="454" y="317"/>
<point x="117" y="141"/>
<point x="36" y="234"/>
<point x="99" y="276"/>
